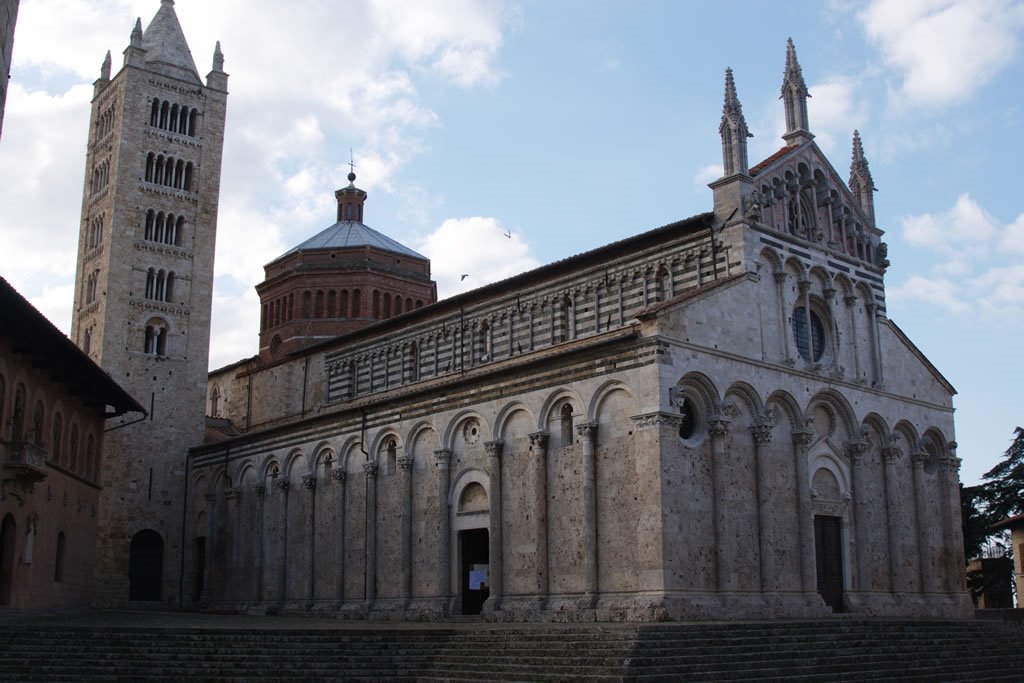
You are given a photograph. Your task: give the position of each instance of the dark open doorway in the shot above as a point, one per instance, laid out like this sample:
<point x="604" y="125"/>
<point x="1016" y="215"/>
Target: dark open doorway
<point x="473" y="574"/>
<point x="828" y="551"/>
<point x="7" y="536"/>
<point x="145" y="565"/>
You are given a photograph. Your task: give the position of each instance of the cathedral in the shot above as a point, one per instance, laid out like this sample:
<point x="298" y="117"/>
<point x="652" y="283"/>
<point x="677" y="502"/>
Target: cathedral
<point x="713" y="418"/>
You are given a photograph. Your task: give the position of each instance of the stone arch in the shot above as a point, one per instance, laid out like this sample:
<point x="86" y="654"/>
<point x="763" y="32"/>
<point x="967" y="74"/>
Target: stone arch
<point x="876" y="424"/>
<point x="908" y="434"/>
<point x="247" y="473"/>
<point x="456" y="423"/>
<point x="602" y="393"/>
<point x="415" y="433"/>
<point x="271" y="466"/>
<point x="788" y="406"/>
<point x="465" y="477"/>
<point x="323" y="454"/>
<point x="381" y="438"/>
<point x="349" y="446"/>
<point x="773" y="258"/>
<point x="820" y="275"/>
<point x="294" y="460"/>
<point x="933" y="442"/>
<point x="840" y="408"/>
<point x="554" y="401"/>
<point x="843" y="284"/>
<point x="145" y="565"/>
<point x="797" y="266"/>
<point x="829" y="461"/>
<point x="219" y="480"/>
<point x="505" y="415"/>
<point x="747" y="395"/>
<point x="700" y="388"/>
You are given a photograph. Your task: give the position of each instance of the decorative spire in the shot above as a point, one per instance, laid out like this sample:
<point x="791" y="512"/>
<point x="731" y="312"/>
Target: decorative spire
<point x="136" y="40"/>
<point x="350" y="199"/>
<point x="794" y="96"/>
<point x="733" y="130"/>
<point x="218" y="58"/>
<point x="861" y="183"/>
<point x="105" y="68"/>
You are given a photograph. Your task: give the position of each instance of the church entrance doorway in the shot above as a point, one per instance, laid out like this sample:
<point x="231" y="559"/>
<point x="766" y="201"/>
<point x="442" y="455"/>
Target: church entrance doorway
<point x="7" y="537"/>
<point x="474" y="579"/>
<point x="145" y="566"/>
<point x="828" y="551"/>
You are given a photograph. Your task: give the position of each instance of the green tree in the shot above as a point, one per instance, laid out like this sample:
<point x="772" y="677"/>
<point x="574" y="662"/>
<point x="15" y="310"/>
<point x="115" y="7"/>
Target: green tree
<point x="1002" y="494"/>
<point x="975" y="522"/>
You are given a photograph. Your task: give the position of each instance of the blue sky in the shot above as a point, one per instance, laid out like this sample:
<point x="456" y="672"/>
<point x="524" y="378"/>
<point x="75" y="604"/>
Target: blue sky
<point x="571" y="124"/>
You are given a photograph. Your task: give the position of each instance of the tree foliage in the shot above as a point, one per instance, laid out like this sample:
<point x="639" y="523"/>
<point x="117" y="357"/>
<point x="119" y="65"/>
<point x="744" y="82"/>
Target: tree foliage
<point x="1002" y="494"/>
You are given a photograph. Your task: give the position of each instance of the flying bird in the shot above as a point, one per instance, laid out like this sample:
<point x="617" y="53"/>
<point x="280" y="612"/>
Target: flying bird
<point x="508" y="234"/>
<point x="464" y="276"/>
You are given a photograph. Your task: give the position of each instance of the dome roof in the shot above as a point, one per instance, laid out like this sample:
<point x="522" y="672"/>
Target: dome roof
<point x="353" y="234"/>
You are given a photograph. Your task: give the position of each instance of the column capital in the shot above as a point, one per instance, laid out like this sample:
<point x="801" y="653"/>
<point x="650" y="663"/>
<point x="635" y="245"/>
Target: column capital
<point x="443" y="456"/>
<point x="891" y="453"/>
<point x="587" y="430"/>
<point x="762" y="433"/>
<point x="282" y="484"/>
<point x="539" y="441"/>
<point x="260" y="490"/>
<point x="804" y="286"/>
<point x="309" y="482"/>
<point x="494" y="448"/>
<point x="951" y="464"/>
<point x="802" y="438"/>
<point x="657" y="419"/>
<point x="829" y="293"/>
<point x="718" y="426"/>
<point x="780" y="276"/>
<point x="338" y="474"/>
<point x="919" y="458"/>
<point x="405" y="463"/>
<point x="370" y="469"/>
<point x="850" y="301"/>
<point x="857" y="449"/>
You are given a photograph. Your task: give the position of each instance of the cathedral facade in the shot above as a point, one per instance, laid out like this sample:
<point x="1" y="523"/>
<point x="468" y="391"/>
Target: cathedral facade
<point x="711" y="419"/>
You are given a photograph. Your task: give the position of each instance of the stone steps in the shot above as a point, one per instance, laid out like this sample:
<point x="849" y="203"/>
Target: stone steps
<point x="832" y="650"/>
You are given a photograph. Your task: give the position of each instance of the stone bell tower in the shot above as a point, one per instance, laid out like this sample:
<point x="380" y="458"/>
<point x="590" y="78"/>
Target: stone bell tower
<point x="144" y="288"/>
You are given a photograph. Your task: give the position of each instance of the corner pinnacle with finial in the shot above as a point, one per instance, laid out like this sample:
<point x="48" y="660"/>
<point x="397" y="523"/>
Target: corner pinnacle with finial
<point x="793" y="75"/>
<point x="859" y="163"/>
<point x="136" y="39"/>
<point x="732" y="110"/>
<point x="218" y="58"/>
<point x="105" y="67"/>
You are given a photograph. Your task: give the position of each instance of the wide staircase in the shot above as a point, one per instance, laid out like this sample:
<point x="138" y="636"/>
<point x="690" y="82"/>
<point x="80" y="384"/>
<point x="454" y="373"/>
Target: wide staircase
<point x="823" y="650"/>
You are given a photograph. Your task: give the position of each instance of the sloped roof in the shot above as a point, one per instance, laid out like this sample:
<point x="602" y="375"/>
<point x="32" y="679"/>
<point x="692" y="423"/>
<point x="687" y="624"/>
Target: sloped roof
<point x="164" y="42"/>
<point x="754" y="170"/>
<point x="352" y="234"/>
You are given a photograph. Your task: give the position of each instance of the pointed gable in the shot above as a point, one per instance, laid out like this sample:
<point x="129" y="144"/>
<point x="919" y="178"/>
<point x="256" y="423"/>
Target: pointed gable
<point x="166" y="48"/>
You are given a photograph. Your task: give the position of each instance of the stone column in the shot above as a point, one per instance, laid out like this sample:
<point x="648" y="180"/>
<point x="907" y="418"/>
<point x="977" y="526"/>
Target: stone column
<point x="808" y="569"/>
<point x="442" y="459"/>
<point x="211" y="529"/>
<point x="539" y="456"/>
<point x="588" y="435"/>
<point x="405" y="463"/>
<point x="876" y="353"/>
<point x="805" y="294"/>
<point x="494" y="449"/>
<point x="925" y="571"/>
<point x="338" y="474"/>
<point x="761" y="431"/>
<point x="283" y="485"/>
<point x="949" y="479"/>
<point x="261" y="491"/>
<point x="309" y="483"/>
<point x="370" y="470"/>
<point x="830" y="299"/>
<point x="718" y="428"/>
<point x="851" y="308"/>
<point x="857" y="451"/>
<point x="890" y="454"/>
<point x="232" y="496"/>
<point x="780" y="282"/>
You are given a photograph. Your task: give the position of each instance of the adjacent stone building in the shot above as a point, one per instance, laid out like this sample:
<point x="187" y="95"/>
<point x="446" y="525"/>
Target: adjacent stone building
<point x="714" y="418"/>
<point x="54" y="407"/>
<point x="144" y="288"/>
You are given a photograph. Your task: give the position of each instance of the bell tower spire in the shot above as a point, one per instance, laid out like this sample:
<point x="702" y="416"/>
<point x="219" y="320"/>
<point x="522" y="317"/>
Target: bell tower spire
<point x="733" y="130"/>
<point x="861" y="184"/>
<point x="794" y="97"/>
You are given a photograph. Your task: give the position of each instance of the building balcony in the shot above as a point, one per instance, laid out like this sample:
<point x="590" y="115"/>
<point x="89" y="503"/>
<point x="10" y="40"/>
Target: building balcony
<point x="25" y="460"/>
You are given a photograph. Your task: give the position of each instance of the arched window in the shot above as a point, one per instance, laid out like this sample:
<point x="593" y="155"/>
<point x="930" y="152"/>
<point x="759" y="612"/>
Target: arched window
<point x="37" y="424"/>
<point x="18" y="417"/>
<point x="566" y="424"/>
<point x="150" y="164"/>
<point x="169" y="287"/>
<point x="564" y="316"/>
<point x="318" y="310"/>
<point x="343" y="304"/>
<point x="307" y="304"/>
<point x="408" y="304"/>
<point x="149" y="343"/>
<point x="56" y="437"/>
<point x="164" y="109"/>
<point x="809" y="333"/>
<point x="356" y="303"/>
<point x="398" y="305"/>
<point x="161" y="342"/>
<point x="187" y="184"/>
<point x="214" y="400"/>
<point x="58" y="562"/>
<point x="150" y="224"/>
<point x="179" y="229"/>
<point x="387" y="305"/>
<point x="154" y="114"/>
<point x="172" y="122"/>
<point x="73" y="448"/>
<point x="192" y="120"/>
<point x="332" y="302"/>
<point x="87" y="340"/>
<point x="376" y="305"/>
<point x="485" y="341"/>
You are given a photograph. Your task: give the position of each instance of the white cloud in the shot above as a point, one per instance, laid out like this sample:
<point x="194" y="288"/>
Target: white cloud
<point x="479" y="248"/>
<point x="835" y="110"/>
<point x="943" y="49"/>
<point x="979" y="271"/>
<point x="707" y="174"/>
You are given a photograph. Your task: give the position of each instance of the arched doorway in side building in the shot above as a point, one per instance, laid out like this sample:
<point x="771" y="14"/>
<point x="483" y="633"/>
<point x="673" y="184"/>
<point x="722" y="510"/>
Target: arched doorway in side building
<point x="8" y="535"/>
<point x="145" y="566"/>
